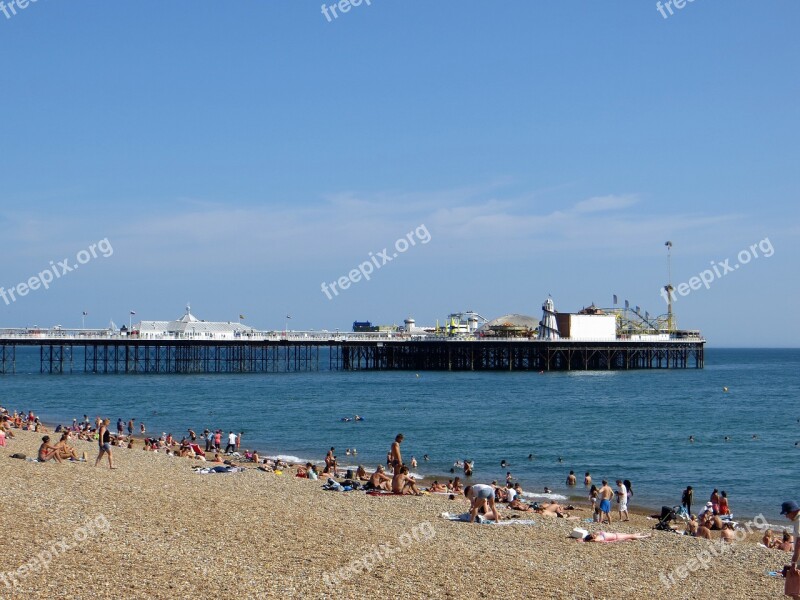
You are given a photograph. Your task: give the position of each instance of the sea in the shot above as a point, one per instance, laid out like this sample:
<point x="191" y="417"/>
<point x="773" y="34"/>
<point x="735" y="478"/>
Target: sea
<point x="742" y="410"/>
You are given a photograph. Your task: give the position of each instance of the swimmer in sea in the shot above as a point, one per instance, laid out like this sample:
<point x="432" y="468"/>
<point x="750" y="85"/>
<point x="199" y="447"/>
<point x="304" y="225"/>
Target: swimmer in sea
<point x="425" y="457"/>
<point x="530" y="456"/>
<point x="691" y="438"/>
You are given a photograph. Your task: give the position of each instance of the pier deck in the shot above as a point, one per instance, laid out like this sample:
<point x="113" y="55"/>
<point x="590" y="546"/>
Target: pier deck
<point x="344" y="352"/>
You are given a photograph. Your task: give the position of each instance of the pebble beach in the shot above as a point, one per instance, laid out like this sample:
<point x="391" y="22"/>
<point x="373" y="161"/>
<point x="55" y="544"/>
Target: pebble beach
<point x="153" y="528"/>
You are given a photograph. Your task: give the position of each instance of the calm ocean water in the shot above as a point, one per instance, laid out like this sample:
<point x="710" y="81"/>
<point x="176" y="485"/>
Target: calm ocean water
<point x="629" y="425"/>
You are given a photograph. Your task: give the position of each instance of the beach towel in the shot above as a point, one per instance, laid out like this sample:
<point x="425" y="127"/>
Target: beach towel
<point x="215" y="470"/>
<point x="483" y="521"/>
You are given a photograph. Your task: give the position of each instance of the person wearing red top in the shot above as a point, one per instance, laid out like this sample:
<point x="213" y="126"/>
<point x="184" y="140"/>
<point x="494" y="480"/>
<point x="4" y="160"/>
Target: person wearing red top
<point x="723" y="504"/>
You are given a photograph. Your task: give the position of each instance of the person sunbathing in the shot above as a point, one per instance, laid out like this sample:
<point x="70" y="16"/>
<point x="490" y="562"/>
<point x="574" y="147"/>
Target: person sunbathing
<point x="379" y="480"/>
<point x="787" y="544"/>
<point x="361" y="473"/>
<point x="606" y="537"/>
<point x="64" y="449"/>
<point x="517" y="504"/>
<point x="47" y="451"/>
<point x="457" y="487"/>
<point x="767" y="540"/>
<point x="552" y="509"/>
<point x="403" y="483"/>
<point x="726" y="534"/>
<point x="438" y="488"/>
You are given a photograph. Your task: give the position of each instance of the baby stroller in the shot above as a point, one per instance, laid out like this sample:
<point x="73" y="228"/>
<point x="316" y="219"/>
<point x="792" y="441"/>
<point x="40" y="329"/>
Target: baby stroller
<point x="668" y="515"/>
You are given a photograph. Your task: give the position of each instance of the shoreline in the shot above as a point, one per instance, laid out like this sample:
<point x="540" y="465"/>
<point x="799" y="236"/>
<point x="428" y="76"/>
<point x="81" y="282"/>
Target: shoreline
<point x="580" y="501"/>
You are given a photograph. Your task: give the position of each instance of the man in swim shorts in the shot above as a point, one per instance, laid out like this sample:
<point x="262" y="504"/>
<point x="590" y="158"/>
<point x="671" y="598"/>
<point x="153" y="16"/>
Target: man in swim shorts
<point x="481" y="496"/>
<point x="605" y="494"/>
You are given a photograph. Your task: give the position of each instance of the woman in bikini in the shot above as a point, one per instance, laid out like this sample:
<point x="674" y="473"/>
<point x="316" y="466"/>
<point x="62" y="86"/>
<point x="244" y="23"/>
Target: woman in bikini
<point x="606" y="537"/>
<point x="47" y="451"/>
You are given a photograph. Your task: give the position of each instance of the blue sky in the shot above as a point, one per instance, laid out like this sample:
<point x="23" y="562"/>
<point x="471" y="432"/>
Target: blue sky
<point x="237" y="155"/>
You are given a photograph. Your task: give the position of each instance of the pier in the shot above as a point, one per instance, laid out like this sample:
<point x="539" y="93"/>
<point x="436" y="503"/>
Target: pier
<point x="83" y="351"/>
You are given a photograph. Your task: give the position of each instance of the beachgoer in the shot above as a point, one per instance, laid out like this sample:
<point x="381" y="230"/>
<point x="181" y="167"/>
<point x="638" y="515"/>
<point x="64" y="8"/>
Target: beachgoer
<point x="47" y="451"/>
<point x="239" y="440"/>
<point x="361" y="473"/>
<point x="686" y="499"/>
<point x="786" y="543"/>
<point x="724" y="509"/>
<point x="605" y="494"/>
<point x="571" y="479"/>
<point x="437" y="487"/>
<point x="726" y="533"/>
<point x="767" y="539"/>
<point x="791" y="511"/>
<point x="142" y="428"/>
<point x="130" y="426"/>
<point x="120" y="426"/>
<point x="395" y="457"/>
<point x="104" y="443"/>
<point x="413" y="463"/>
<point x="379" y="480"/>
<point x="587" y="479"/>
<point x="217" y="439"/>
<point x="511" y="492"/>
<point x="715" y="501"/>
<point x="231" y="443"/>
<point x="481" y="496"/>
<point x="468" y="465"/>
<point x="64" y="449"/>
<point x="622" y="500"/>
<point x="605" y="537"/>
<point x="457" y="485"/>
<point x="403" y="483"/>
<point x="593" y="500"/>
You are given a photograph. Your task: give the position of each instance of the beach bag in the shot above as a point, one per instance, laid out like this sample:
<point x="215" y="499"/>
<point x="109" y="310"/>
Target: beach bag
<point x="791" y="586"/>
<point x="578" y="533"/>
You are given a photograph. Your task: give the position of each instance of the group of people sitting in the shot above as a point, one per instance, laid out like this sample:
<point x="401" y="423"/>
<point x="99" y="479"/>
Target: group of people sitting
<point x="786" y="543"/>
<point x="60" y="451"/>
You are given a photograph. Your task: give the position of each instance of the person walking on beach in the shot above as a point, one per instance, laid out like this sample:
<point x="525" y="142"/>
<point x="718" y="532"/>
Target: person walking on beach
<point x="209" y="439"/>
<point x="120" y="427"/>
<point x="104" y="441"/>
<point x="791" y="510"/>
<point x="130" y="426"/>
<point x="686" y="499"/>
<point x="231" y="443"/>
<point x="605" y="494"/>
